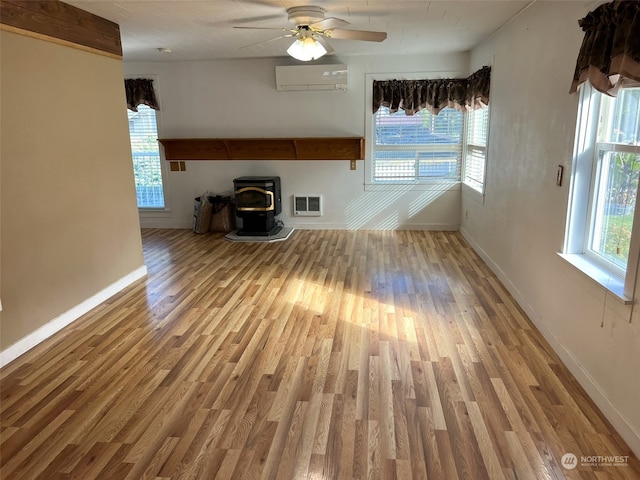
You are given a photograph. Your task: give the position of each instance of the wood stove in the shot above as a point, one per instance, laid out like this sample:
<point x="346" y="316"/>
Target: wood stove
<point x="258" y="202"/>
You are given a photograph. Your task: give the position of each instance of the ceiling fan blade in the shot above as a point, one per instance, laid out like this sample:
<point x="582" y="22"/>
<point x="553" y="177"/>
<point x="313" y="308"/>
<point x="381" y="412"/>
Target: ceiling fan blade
<point x="357" y="35"/>
<point x="249" y="20"/>
<point x="328" y="24"/>
<point x="262" y="42"/>
<point x="265" y="28"/>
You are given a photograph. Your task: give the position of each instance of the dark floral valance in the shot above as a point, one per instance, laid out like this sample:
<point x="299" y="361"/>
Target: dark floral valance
<point x="140" y="91"/>
<point x="610" y="51"/>
<point x="413" y="95"/>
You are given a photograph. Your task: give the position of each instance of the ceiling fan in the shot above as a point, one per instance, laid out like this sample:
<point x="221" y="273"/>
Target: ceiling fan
<point x="311" y="31"/>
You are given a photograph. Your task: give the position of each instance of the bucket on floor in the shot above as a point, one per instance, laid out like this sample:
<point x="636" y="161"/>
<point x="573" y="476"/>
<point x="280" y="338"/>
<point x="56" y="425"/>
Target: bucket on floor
<point x="223" y="214"/>
<point x="202" y="209"/>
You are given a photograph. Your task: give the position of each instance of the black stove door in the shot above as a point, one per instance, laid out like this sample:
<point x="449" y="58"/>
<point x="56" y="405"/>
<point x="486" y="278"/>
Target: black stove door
<point x="254" y="199"/>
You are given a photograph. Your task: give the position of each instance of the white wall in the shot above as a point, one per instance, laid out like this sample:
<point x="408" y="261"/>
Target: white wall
<point x="520" y="226"/>
<point x="238" y="98"/>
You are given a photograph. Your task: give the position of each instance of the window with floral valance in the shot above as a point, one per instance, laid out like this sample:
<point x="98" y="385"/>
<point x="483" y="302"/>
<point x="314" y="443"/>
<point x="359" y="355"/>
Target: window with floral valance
<point x="602" y="237"/>
<point x="437" y="138"/>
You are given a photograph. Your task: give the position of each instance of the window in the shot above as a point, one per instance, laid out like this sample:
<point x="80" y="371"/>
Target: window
<point x="147" y="169"/>
<point x="416" y="148"/>
<point x="606" y="170"/>
<point x="475" y="153"/>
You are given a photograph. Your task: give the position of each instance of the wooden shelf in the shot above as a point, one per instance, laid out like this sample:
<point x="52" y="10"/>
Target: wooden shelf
<point x="319" y="148"/>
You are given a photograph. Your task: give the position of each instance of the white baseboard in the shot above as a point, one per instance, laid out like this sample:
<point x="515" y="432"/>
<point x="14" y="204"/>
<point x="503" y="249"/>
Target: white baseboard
<point x="343" y="226"/>
<point x="617" y="419"/>
<point x="34" y="338"/>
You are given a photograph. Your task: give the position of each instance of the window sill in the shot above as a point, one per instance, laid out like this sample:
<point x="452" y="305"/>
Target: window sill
<point x="472" y="192"/>
<point x="439" y="185"/>
<point x="154" y="212"/>
<point x="601" y="276"/>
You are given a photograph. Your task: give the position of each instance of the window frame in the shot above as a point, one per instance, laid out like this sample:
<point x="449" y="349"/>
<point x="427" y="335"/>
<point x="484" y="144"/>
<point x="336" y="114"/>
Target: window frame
<point x="155" y="211"/>
<point x="474" y="185"/>
<point x="597" y="178"/>
<point x="426" y="185"/>
<point x="453" y="150"/>
<point x="580" y="213"/>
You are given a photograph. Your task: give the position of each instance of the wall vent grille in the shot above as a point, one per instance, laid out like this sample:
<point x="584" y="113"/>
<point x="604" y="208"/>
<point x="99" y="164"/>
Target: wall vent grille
<point x="307" y="205"/>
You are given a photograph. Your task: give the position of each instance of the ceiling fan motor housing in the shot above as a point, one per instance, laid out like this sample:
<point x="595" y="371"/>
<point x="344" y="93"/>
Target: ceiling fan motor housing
<point x="305" y="15"/>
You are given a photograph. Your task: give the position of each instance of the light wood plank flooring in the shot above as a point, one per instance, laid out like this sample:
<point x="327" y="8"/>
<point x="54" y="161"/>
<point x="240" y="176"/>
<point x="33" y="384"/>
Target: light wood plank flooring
<point x="334" y="354"/>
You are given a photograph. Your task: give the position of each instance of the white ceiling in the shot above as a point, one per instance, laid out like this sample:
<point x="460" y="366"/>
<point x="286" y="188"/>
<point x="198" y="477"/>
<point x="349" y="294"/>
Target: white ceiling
<point x="198" y="30"/>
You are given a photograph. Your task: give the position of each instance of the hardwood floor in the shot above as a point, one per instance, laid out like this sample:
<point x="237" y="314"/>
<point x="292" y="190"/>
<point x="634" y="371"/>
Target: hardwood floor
<point x="334" y="354"/>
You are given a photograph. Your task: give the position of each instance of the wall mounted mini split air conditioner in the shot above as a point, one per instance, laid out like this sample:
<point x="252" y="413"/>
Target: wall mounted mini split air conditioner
<point x="311" y="77"/>
<point x="307" y="205"/>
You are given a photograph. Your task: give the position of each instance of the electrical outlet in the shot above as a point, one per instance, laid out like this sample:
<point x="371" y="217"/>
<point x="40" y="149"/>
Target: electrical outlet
<point x="353" y="165"/>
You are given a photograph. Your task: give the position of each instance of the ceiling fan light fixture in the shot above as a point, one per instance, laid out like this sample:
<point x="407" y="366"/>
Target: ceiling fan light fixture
<point x="306" y="48"/>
